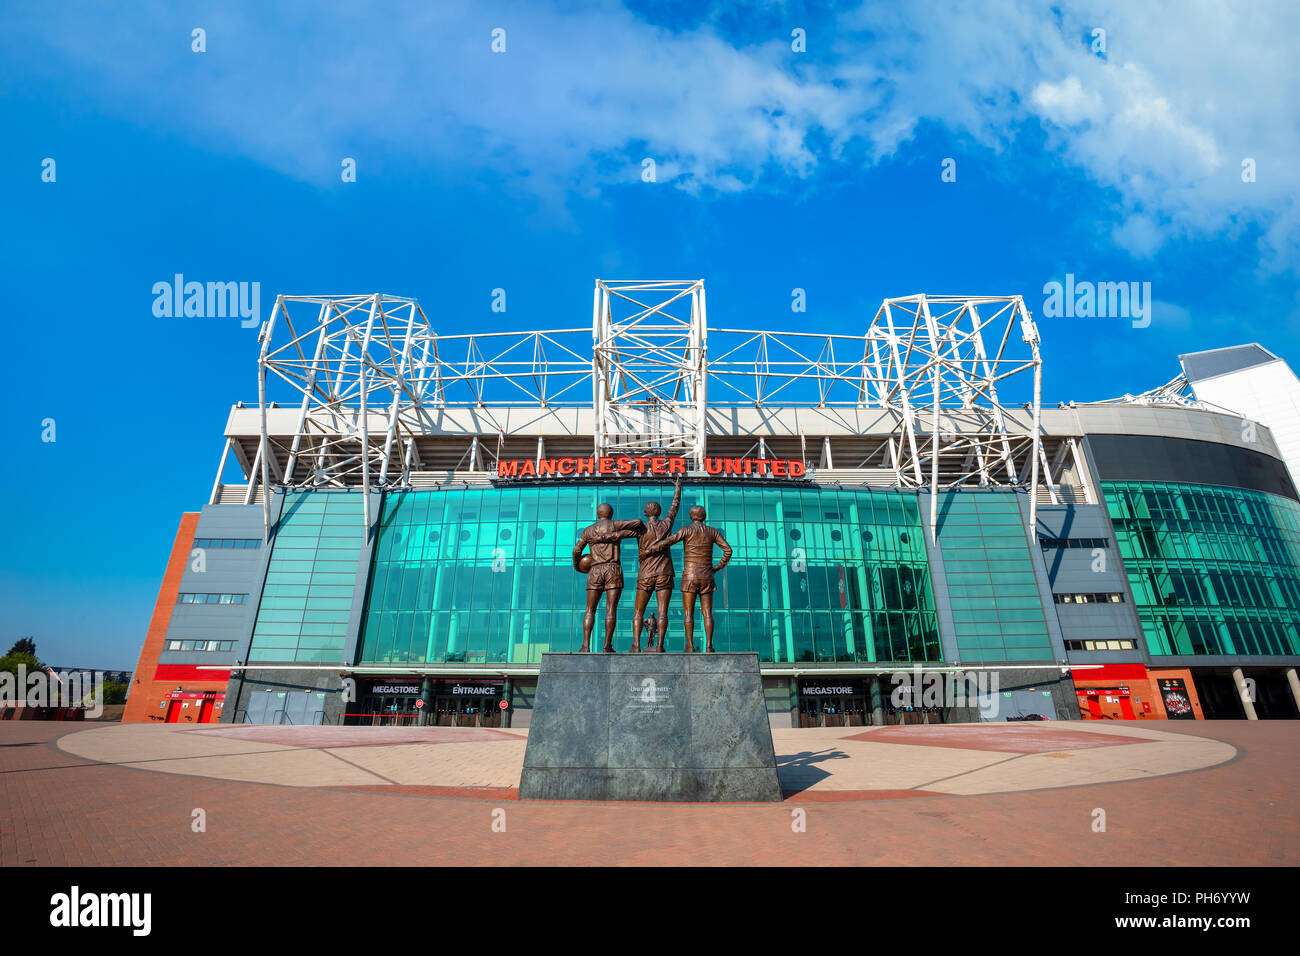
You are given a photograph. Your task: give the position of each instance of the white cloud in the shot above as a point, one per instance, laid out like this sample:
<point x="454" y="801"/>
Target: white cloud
<point x="582" y="94"/>
<point x="1067" y="103"/>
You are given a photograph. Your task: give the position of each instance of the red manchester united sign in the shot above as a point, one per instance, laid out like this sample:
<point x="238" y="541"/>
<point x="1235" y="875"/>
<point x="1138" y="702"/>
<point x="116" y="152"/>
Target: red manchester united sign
<point x="624" y="466"/>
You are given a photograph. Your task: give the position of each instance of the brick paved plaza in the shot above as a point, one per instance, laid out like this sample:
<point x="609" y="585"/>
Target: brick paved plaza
<point x="1203" y="793"/>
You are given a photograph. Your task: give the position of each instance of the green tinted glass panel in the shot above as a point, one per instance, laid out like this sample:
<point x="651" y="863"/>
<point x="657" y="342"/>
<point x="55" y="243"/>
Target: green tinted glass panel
<point x="485" y="575"/>
<point x="310" y="579"/>
<point x="997" y="608"/>
<point x="1213" y="570"/>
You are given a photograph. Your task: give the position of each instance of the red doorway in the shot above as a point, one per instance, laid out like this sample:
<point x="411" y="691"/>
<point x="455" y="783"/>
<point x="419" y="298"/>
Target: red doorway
<point x="1106" y="703"/>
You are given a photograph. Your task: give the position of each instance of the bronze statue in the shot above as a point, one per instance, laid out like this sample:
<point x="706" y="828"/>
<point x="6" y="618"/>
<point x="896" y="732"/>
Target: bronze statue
<point x="698" y="570"/>
<point x="655" y="573"/>
<point x="604" y="570"/>
<point x="650" y="625"/>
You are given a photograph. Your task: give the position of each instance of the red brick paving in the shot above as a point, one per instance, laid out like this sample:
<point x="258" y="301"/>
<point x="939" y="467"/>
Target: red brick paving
<point x="58" y="810"/>
<point x="837" y="796"/>
<point x="421" y="790"/>
<point x="1003" y="737"/>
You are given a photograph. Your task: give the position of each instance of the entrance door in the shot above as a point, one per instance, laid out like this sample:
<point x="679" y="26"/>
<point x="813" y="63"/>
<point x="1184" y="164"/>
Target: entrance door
<point x="471" y="712"/>
<point x="205" y="711"/>
<point x="1106" y="704"/>
<point x="444" y="709"/>
<point x="809" y="712"/>
<point x="833" y="712"/>
<point x="173" y="711"/>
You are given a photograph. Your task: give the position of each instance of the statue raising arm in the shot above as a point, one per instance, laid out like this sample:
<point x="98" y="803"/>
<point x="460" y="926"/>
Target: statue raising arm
<point x="677" y="501"/>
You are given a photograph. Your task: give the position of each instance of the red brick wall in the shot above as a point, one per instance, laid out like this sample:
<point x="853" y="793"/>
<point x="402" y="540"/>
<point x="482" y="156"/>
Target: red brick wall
<point x="1176" y="672"/>
<point x="147" y="691"/>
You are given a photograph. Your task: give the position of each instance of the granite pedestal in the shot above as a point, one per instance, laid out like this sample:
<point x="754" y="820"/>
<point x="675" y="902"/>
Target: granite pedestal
<point x="650" y="727"/>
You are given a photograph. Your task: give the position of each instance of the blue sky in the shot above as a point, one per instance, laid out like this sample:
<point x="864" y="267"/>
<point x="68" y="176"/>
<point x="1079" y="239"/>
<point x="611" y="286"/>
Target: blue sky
<point x="522" y="170"/>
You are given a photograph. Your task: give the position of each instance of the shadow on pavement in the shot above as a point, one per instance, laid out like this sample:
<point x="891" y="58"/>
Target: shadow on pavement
<point x="800" y="771"/>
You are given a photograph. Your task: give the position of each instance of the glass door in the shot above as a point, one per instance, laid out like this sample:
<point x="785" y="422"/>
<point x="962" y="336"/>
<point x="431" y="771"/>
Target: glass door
<point x="810" y="712"/>
<point x="444" y="709"/>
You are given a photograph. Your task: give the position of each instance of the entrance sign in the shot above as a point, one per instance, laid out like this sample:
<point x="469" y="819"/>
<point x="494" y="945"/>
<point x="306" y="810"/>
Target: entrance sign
<point x="628" y="465"/>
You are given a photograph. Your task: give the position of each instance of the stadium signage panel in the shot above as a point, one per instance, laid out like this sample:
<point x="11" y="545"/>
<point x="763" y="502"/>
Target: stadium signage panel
<point x="629" y="465"/>
<point x="847" y="688"/>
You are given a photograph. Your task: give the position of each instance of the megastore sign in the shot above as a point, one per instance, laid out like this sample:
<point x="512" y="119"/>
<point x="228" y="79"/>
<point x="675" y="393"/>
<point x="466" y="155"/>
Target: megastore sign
<point x="628" y="465"/>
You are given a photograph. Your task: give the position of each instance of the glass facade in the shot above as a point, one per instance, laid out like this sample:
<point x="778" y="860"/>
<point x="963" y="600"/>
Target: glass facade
<point x="997" y="608"/>
<point x="311" y="578"/>
<point x="1214" y="570"/>
<point x="485" y="575"/>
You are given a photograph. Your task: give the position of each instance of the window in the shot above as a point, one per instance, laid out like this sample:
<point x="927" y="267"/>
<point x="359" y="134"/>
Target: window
<point x="1121" y="645"/>
<point x="195" y="598"/>
<point x="1213" y="569"/>
<point x="1086" y="543"/>
<point x="861" y="592"/>
<point x="201" y="646"/>
<point x="1105" y="597"/>
<point x="227" y="542"/>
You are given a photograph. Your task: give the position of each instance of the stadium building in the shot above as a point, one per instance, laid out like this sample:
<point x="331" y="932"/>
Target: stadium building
<point x="397" y="546"/>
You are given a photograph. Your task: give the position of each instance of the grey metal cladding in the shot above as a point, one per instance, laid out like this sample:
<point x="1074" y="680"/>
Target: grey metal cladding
<point x="226" y="571"/>
<point x="1189" y="461"/>
<point x="1077" y="571"/>
<point x="1198" y="366"/>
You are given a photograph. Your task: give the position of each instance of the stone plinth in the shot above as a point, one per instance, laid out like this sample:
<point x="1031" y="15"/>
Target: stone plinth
<point x="650" y="727"/>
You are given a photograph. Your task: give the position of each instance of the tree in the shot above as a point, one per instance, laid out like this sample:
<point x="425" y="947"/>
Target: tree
<point x="114" y="693"/>
<point x="11" y="661"/>
<point x="24" y="645"/>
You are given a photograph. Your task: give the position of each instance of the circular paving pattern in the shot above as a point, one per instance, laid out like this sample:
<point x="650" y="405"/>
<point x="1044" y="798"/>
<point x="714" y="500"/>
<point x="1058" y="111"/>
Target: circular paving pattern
<point x="826" y="764"/>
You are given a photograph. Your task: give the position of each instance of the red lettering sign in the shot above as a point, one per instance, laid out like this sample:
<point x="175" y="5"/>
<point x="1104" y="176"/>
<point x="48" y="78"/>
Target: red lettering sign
<point x="656" y="465"/>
